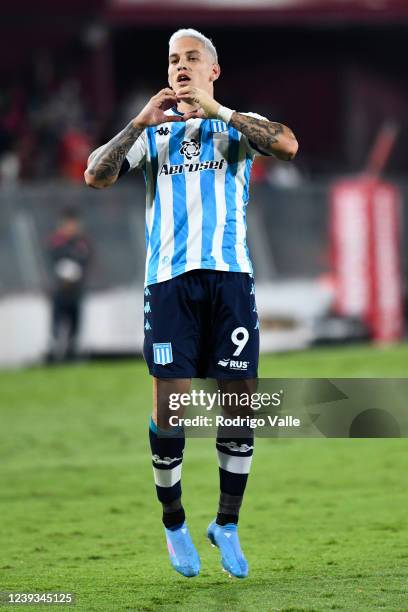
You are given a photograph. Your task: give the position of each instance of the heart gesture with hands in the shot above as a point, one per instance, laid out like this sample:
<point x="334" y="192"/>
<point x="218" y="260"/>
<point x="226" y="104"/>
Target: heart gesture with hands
<point x="154" y="111"/>
<point x="207" y="106"/>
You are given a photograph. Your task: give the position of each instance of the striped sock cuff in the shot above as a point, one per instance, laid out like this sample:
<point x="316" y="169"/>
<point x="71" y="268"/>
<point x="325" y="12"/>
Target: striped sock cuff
<point x="167" y="458"/>
<point x="235" y="455"/>
<point x="234" y="460"/>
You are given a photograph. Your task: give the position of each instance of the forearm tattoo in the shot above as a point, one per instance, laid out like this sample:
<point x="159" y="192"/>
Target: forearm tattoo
<point x="106" y="164"/>
<point x="265" y="134"/>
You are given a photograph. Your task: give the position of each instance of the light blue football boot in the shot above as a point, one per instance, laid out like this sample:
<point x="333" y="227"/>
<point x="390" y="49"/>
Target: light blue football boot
<point x="183" y="555"/>
<point x="232" y="557"/>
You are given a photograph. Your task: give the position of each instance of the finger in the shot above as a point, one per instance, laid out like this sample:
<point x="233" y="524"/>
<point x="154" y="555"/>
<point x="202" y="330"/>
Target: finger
<point x="197" y="114"/>
<point x="167" y="99"/>
<point x="185" y="96"/>
<point x="166" y="91"/>
<point x="168" y="96"/>
<point x="160" y="98"/>
<point x="185" y="89"/>
<point x="191" y="115"/>
<point x="172" y="118"/>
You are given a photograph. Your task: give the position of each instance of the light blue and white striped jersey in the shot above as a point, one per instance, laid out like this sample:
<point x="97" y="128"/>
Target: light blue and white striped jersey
<point x="197" y="183"/>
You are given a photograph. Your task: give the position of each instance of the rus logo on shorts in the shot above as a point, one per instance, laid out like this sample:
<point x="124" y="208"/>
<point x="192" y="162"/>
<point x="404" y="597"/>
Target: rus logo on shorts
<point x="162" y="353"/>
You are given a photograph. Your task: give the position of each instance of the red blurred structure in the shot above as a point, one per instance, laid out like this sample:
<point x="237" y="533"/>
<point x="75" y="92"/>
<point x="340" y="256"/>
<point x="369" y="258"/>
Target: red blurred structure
<point x="365" y="241"/>
<point x="74" y="150"/>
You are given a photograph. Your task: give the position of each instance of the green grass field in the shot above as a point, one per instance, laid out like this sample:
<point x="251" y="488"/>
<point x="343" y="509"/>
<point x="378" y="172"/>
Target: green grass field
<point x="324" y="523"/>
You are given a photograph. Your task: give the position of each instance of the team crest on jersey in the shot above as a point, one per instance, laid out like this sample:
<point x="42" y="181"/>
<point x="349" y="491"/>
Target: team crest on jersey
<point x="162" y="353"/>
<point x="190" y="148"/>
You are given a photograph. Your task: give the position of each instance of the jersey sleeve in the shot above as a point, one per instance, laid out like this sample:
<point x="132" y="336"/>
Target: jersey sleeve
<point x="252" y="148"/>
<point x="136" y="156"/>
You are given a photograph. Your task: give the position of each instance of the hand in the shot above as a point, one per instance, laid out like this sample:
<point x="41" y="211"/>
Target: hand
<point x="153" y="113"/>
<point x="208" y="107"/>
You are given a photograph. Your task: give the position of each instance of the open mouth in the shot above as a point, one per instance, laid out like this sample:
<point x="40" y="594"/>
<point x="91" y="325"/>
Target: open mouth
<point x="183" y="78"/>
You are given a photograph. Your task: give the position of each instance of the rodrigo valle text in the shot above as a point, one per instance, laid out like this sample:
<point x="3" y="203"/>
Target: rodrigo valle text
<point x="251" y="422"/>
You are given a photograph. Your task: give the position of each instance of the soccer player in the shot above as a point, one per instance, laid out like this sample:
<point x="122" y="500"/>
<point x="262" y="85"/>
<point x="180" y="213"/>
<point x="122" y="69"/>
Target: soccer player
<point x="200" y="312"/>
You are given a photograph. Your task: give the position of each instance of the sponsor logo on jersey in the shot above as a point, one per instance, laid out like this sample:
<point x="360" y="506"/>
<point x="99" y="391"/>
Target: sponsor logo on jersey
<point x="163" y="131"/>
<point x="234" y="364"/>
<point x="194" y="167"/>
<point x="162" y="353"/>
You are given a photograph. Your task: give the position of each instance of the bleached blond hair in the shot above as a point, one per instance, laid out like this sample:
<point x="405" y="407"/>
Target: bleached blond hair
<point x="191" y="33"/>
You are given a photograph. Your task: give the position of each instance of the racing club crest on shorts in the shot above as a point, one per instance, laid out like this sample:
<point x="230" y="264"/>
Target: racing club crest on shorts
<point x="162" y="353"/>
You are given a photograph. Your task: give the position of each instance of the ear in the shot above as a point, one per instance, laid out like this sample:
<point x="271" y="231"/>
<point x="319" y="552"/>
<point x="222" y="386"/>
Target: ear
<point x="215" y="72"/>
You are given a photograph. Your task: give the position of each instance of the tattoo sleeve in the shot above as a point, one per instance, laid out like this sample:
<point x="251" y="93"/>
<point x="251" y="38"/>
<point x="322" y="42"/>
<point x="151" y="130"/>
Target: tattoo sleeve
<point x="106" y="162"/>
<point x="269" y="136"/>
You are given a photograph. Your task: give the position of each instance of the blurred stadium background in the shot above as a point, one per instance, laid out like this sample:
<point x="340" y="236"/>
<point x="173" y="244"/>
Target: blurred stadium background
<point x="324" y="525"/>
<point x="326" y="232"/>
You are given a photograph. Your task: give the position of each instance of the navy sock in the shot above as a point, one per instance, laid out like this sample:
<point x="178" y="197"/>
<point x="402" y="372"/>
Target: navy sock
<point x="235" y="448"/>
<point x="167" y="456"/>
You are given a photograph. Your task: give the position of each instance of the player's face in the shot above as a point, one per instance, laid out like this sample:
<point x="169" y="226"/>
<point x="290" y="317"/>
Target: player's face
<point x="190" y="63"/>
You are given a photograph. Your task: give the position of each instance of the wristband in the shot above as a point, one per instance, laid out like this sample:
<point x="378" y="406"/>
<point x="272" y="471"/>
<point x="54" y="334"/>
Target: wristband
<point x="225" y="114"/>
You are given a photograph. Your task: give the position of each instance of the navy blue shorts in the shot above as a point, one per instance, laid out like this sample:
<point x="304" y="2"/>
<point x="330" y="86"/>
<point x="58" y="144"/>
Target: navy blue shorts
<point x="202" y="324"/>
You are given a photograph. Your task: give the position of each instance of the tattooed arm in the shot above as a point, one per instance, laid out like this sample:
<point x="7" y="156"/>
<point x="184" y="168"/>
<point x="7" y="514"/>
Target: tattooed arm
<point x="268" y="136"/>
<point x="105" y="163"/>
